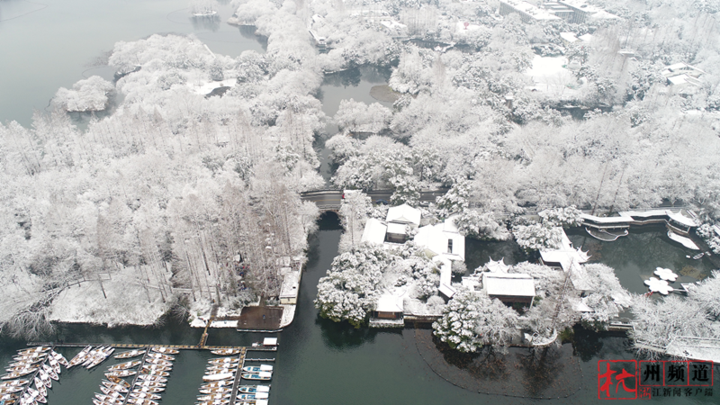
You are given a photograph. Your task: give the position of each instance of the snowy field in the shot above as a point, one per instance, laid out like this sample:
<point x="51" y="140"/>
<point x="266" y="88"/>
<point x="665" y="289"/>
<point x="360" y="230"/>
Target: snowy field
<point x="550" y="76"/>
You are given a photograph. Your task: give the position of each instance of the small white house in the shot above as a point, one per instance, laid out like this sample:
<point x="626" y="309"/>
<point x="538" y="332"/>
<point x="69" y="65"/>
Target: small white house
<point x="509" y="287"/>
<point x="290" y="287"/>
<point x="374" y="232"/>
<point x="404" y="214"/>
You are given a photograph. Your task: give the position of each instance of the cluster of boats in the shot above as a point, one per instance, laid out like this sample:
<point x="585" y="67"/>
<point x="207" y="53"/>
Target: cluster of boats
<point x="220" y="376"/>
<point x="150" y="377"/>
<point x="90" y="357"/>
<point x="40" y="366"/>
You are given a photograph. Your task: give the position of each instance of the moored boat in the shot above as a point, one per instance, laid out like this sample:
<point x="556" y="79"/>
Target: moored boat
<point x="130" y="354"/>
<point x="80" y="357"/>
<point x="125" y="366"/>
<point x="164" y="350"/>
<point x="256" y="369"/>
<point x="249" y="389"/>
<point x="225" y="352"/>
<point x="262" y="376"/>
<point x="218" y="377"/>
<point x="120" y="373"/>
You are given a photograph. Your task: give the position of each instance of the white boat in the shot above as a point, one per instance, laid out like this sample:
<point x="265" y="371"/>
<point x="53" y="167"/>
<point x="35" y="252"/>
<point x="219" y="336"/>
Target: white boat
<point x="249" y="389"/>
<point x="218" y="377"/>
<point x="125" y="366"/>
<point x="262" y="376"/>
<point x="80" y="357"/>
<point x="59" y="358"/>
<point x="164" y="350"/>
<point x="256" y="369"/>
<point x="225" y="352"/>
<point x="130" y="354"/>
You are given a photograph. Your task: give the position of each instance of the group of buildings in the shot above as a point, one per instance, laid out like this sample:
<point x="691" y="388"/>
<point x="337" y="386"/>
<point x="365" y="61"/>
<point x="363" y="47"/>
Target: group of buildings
<point x="573" y="11"/>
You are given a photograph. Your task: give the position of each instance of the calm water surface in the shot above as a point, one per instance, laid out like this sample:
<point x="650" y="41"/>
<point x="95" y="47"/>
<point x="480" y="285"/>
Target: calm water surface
<point x="48" y="44"/>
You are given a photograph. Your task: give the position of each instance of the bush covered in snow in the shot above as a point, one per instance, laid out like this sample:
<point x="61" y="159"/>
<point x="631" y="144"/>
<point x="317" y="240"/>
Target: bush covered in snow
<point x="562" y="217"/>
<point x="472" y="320"/>
<point x="349" y="290"/>
<point x="90" y="94"/>
<point x="706" y="232"/>
<point x="454" y="201"/>
<point x="537" y="236"/>
<point x="483" y="226"/>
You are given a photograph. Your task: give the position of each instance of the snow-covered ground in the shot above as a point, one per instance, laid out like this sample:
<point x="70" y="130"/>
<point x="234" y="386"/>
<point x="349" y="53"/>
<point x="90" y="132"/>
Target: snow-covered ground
<point x="551" y="77"/>
<point x="127" y="302"/>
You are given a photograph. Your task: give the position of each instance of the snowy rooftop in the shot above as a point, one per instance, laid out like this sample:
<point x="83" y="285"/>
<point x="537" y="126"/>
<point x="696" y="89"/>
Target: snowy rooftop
<point x="497" y="266"/>
<point x="396" y="228"/>
<point x="404" y="214"/>
<point x="687" y="242"/>
<point x="390" y="303"/>
<point x="568" y="36"/>
<point x="678" y="217"/>
<point x="435" y="238"/>
<point x="520" y="285"/>
<point x="392" y="24"/>
<point x="586" y="37"/>
<point x="566" y="256"/>
<point x="531" y="10"/>
<point x="605" y="220"/>
<point x="270" y="342"/>
<point x="374" y="232"/>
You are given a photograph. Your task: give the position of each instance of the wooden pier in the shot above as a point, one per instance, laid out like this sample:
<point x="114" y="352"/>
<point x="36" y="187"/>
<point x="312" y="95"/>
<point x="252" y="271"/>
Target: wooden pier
<point x="238" y="374"/>
<point x="135" y="379"/>
<point x="145" y="345"/>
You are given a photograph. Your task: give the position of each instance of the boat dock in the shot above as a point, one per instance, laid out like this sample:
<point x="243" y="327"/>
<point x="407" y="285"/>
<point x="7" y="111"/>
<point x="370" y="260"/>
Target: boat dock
<point x="238" y="374"/>
<point x="145" y="346"/>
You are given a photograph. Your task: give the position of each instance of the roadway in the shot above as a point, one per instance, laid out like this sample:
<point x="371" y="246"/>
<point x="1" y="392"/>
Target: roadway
<point x="333" y="198"/>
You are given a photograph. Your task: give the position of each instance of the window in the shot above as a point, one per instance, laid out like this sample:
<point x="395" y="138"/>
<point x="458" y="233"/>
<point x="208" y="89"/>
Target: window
<point x="450" y="245"/>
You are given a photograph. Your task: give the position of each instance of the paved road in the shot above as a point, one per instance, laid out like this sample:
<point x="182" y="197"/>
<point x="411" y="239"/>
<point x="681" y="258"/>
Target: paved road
<point x="332" y="198"/>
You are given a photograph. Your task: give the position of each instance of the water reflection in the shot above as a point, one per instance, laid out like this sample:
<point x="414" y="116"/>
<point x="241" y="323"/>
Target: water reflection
<point x="479" y="252"/>
<point x="209" y="23"/>
<point x="341" y="335"/>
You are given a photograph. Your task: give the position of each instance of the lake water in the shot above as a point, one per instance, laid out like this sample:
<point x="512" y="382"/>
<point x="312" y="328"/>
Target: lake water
<point x="50" y="44"/>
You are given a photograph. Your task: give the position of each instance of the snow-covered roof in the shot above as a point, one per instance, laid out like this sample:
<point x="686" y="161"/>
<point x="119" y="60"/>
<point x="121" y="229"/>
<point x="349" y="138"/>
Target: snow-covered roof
<point x="580" y="306"/>
<point x="590" y="10"/>
<point x="497" y="266"/>
<point x="396" y="228"/>
<point x="446" y="290"/>
<point x="531" y="10"/>
<point x="374" y="232"/>
<point x="606" y="220"/>
<point x="659" y="286"/>
<point x="568" y="36"/>
<point x="586" y="37"/>
<point x="389" y="303"/>
<point x="471" y="282"/>
<point x="519" y="285"/>
<point x="404" y="214"/>
<point x="435" y="239"/>
<point x="682" y="219"/>
<point x="392" y="24"/>
<point x="687" y="242"/>
<point x="270" y="342"/>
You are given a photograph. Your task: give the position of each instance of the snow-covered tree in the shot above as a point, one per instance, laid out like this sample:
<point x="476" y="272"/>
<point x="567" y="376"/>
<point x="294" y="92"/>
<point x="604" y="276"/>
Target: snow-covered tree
<point x="89" y="94"/>
<point x="537" y="236"/>
<point x="472" y="320"/>
<point x="349" y="290"/>
<point x="562" y="217"/>
<point x="483" y="226"/>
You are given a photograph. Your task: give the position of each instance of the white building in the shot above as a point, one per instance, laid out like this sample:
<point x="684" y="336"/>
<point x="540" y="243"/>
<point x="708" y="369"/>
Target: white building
<point x="527" y="11"/>
<point x="510" y="287"/>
